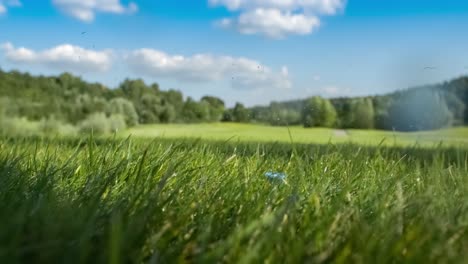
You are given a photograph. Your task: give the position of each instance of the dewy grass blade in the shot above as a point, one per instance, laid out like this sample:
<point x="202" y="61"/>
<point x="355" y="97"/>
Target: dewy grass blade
<point x="130" y="201"/>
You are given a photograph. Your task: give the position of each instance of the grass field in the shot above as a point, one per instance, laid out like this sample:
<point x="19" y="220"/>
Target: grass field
<point x="164" y="200"/>
<point x="260" y="133"/>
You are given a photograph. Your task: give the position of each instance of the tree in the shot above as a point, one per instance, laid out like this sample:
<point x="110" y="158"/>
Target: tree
<point x="363" y="113"/>
<point x="168" y="114"/>
<point x="318" y="112"/>
<point x="228" y="115"/>
<point x="216" y="108"/>
<point x="240" y="114"/>
<point x="174" y="98"/>
<point x="173" y="104"/>
<point x="194" y="111"/>
<point x="261" y="114"/>
<point x="311" y="111"/>
<point x="150" y="108"/>
<point x="133" y="90"/>
<point x="329" y="117"/>
<point x="122" y="106"/>
<point x="70" y="100"/>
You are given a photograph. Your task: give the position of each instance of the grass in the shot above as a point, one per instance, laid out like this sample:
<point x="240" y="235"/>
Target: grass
<point x="159" y="201"/>
<point x="261" y="133"/>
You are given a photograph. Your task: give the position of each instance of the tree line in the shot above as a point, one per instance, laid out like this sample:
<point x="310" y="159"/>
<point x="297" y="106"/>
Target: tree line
<point x="66" y="103"/>
<point x="414" y="109"/>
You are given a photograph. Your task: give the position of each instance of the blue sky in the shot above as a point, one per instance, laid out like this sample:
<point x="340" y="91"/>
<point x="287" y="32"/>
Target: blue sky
<point x="251" y="51"/>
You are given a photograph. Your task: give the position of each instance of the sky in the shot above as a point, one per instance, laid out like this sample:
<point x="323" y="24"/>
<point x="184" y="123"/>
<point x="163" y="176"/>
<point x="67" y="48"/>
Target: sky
<point x="249" y="51"/>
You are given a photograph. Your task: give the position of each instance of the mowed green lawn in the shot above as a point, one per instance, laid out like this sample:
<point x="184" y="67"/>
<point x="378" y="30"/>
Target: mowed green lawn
<point x="262" y="133"/>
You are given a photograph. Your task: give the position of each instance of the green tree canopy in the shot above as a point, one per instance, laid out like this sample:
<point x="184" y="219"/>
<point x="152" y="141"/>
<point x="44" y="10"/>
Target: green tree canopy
<point x="318" y="112"/>
<point x="240" y="113"/>
<point x="216" y="108"/>
<point x="363" y="113"/>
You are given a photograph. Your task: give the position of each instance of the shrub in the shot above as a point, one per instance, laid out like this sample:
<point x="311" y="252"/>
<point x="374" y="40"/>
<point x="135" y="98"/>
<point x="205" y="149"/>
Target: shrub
<point x="124" y="107"/>
<point x="100" y="124"/>
<point x="96" y="123"/>
<point x="18" y="127"/>
<point x="49" y="125"/>
<point x="68" y="130"/>
<point x="52" y="127"/>
<point x="117" y="123"/>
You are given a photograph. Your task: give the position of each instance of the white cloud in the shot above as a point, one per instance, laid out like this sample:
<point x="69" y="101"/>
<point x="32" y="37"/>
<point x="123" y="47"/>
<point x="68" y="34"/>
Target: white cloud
<point x="8" y="3"/>
<point x="336" y="91"/>
<point x="64" y="57"/>
<point x="329" y="7"/>
<point x="85" y="10"/>
<point x="277" y="18"/>
<point x="316" y="78"/>
<point x="242" y="73"/>
<point x="272" y="23"/>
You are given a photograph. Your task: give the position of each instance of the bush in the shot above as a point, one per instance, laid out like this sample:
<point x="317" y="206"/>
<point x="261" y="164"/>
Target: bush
<point x="23" y="127"/>
<point x="18" y="127"/>
<point x="52" y="127"/>
<point x="124" y="107"/>
<point x="96" y="123"/>
<point x="117" y="123"/>
<point x="100" y="124"/>
<point x="68" y="130"/>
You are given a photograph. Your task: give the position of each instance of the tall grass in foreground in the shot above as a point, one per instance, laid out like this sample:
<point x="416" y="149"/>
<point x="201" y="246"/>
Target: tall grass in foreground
<point x="135" y="201"/>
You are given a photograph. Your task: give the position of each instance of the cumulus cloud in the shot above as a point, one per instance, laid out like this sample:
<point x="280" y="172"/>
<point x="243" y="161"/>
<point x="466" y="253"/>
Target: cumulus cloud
<point x="8" y="3"/>
<point x="64" y="57"/>
<point x="272" y="23"/>
<point x="242" y="73"/>
<point x="277" y="18"/>
<point x="329" y="7"/>
<point x="85" y="10"/>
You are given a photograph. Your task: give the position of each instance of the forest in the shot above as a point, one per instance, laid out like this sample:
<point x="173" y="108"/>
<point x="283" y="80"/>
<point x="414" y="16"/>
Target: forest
<point x="67" y="104"/>
<point x="414" y="109"/>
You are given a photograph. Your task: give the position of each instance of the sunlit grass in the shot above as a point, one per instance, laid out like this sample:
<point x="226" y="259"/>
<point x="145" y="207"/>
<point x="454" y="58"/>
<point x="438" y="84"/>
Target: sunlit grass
<point x="162" y="201"/>
<point x="256" y="133"/>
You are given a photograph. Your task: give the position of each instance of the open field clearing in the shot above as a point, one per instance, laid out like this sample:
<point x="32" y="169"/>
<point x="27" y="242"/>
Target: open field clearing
<point x="259" y="133"/>
<point x="233" y="131"/>
<point x="159" y="201"/>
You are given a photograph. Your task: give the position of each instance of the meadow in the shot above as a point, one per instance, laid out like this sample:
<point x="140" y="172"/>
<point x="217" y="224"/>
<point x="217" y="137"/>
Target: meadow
<point x="263" y="133"/>
<point x="160" y="200"/>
